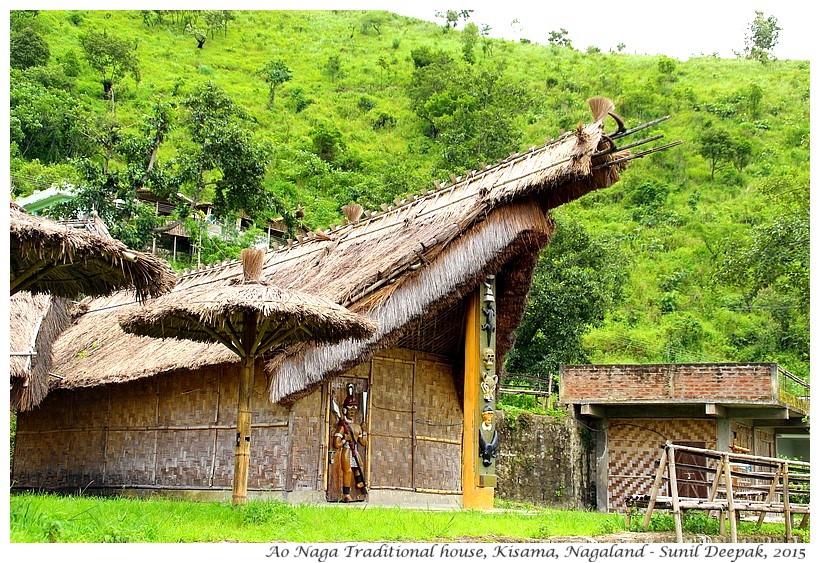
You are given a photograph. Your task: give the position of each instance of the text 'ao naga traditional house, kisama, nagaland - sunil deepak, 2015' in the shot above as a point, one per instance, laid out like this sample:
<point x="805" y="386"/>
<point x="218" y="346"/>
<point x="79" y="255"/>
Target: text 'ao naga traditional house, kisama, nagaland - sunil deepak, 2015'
<point x="402" y="417"/>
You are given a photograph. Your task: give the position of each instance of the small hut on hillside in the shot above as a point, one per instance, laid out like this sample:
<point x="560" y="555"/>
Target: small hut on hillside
<point x="445" y="274"/>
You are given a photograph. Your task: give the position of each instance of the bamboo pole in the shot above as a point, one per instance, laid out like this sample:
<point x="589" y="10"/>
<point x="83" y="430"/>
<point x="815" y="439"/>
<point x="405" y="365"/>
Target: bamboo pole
<point x="713" y="494"/>
<point x="326" y="441"/>
<point x="243" y="433"/>
<point x="673" y="489"/>
<point x="786" y="508"/>
<point x="770" y="495"/>
<point x="655" y="489"/>
<point x="716" y="482"/>
<point x="438" y="440"/>
<point x="730" y="499"/>
<point x="243" y="415"/>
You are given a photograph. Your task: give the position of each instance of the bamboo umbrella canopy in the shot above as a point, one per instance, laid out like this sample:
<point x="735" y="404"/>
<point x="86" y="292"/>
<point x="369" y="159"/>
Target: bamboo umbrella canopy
<point x="250" y="317"/>
<point x="48" y="257"/>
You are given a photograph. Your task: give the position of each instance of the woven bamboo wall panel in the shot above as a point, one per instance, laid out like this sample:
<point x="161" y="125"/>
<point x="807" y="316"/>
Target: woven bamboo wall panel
<point x="361" y="370"/>
<point x="86" y="457"/>
<point x="438" y="413"/>
<point x="90" y="410"/>
<point x="392" y="404"/>
<point x="635" y="446"/>
<point x="391" y="423"/>
<point x="133" y="405"/>
<point x="269" y="458"/>
<point x="40" y="459"/>
<point x="53" y="412"/>
<point x="27" y="466"/>
<point x="131" y="458"/>
<point x="224" y="458"/>
<point x="307" y="436"/>
<point x="189" y="400"/>
<point x="184" y="458"/>
<point x="437" y="466"/>
<point x="263" y="410"/>
<point x="742" y="436"/>
<point x="392" y="462"/>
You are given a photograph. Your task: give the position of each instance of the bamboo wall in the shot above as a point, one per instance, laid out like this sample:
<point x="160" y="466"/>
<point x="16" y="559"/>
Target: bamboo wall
<point x="634" y="445"/>
<point x="178" y="432"/>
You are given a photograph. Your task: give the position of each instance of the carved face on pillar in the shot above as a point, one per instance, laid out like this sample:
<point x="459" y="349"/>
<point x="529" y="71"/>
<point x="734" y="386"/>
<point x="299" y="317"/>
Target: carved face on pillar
<point x="488" y="359"/>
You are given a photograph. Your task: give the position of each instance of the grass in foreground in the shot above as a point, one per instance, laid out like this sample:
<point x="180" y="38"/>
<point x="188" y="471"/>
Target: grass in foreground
<point x="42" y="518"/>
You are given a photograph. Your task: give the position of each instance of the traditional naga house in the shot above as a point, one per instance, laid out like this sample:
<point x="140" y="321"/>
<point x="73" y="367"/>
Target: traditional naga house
<point x="405" y="416"/>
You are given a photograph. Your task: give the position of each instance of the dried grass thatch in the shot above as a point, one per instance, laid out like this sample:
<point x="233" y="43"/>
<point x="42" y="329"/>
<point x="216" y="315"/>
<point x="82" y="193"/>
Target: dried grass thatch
<point x="48" y="257"/>
<point x="393" y="266"/>
<point x="35" y="321"/>
<point x="218" y="314"/>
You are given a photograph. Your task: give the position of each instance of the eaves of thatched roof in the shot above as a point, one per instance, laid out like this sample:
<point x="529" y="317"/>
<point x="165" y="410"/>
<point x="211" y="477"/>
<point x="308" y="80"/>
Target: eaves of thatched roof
<point x="35" y="321"/>
<point x="59" y="259"/>
<point x="393" y="266"/>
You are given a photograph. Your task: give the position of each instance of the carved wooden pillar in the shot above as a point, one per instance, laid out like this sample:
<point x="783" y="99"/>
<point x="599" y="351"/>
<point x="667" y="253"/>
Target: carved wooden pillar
<point x="480" y="378"/>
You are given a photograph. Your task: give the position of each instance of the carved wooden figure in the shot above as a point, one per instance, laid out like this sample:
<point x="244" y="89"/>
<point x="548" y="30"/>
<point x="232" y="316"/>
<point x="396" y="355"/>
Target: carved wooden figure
<point x="347" y="438"/>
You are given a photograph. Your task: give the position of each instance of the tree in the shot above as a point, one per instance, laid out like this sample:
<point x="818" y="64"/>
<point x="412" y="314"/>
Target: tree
<point x="560" y="38"/>
<point x="275" y="73"/>
<point x="110" y="182"/>
<point x="222" y="157"/>
<point x="333" y="67"/>
<point x="450" y="18"/>
<point x="762" y="37"/>
<point x="373" y="20"/>
<point x="469" y="38"/>
<point x="197" y="33"/>
<point x="45" y="123"/>
<point x="486" y="42"/>
<point x="112" y="57"/>
<point x="578" y="278"/>
<point x="28" y="48"/>
<point x="217" y="20"/>
<point x="472" y="112"/>
<point x="716" y="147"/>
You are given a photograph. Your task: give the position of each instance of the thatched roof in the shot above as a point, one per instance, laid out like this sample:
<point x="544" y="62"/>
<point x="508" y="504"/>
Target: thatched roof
<point x="394" y="266"/>
<point x="35" y="321"/>
<point x="49" y="257"/>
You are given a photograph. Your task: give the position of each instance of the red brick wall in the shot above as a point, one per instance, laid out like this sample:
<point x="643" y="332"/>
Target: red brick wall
<point x="655" y="382"/>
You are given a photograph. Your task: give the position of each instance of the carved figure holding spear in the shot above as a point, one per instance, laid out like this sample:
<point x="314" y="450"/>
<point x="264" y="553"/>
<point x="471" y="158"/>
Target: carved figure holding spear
<point x="348" y="435"/>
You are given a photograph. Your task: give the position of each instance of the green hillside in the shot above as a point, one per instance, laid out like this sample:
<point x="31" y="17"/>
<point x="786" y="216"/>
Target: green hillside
<point x="700" y="253"/>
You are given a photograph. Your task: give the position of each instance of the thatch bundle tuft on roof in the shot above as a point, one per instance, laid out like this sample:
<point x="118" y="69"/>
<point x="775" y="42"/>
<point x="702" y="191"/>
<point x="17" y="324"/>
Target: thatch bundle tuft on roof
<point x="49" y="257"/>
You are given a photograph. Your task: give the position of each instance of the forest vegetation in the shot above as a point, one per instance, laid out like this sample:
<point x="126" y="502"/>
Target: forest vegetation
<point x="700" y="252"/>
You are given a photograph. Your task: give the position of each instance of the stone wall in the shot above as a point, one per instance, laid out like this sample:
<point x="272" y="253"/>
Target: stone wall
<point x="545" y="461"/>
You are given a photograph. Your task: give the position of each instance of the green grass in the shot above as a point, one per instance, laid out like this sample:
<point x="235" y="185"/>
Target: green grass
<point x="79" y="519"/>
<point x="48" y="518"/>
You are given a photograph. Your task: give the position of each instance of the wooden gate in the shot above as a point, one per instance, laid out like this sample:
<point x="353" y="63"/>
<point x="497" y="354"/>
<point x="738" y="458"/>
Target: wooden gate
<point x="766" y="485"/>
